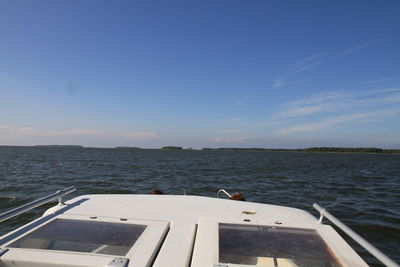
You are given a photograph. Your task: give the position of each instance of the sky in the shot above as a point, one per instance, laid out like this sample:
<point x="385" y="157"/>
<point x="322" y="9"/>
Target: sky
<point x="210" y="73"/>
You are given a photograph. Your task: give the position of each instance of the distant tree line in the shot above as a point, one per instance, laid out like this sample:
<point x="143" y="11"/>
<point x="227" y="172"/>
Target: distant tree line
<point x="247" y="149"/>
<point x="311" y="149"/>
<point x="314" y="149"/>
<point x="172" y="148"/>
<point x="349" y="150"/>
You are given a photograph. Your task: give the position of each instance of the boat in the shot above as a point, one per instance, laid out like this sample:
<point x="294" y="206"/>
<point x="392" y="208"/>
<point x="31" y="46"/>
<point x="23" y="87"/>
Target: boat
<point x="157" y="230"/>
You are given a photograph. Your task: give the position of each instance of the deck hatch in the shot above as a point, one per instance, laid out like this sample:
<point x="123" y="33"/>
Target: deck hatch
<point x="83" y="236"/>
<point x="272" y="246"/>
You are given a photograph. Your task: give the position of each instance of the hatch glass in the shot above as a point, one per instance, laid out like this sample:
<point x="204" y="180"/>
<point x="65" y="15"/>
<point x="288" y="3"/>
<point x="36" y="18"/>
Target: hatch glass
<point x="272" y="246"/>
<point x="83" y="236"/>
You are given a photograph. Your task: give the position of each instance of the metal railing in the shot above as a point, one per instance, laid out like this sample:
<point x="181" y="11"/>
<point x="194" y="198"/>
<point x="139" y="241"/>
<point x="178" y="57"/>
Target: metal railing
<point x="223" y="191"/>
<point x="361" y="241"/>
<point x="24" y="208"/>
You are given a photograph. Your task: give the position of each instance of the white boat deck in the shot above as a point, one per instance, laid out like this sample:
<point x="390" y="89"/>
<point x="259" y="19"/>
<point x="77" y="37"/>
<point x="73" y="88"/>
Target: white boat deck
<point x="179" y="231"/>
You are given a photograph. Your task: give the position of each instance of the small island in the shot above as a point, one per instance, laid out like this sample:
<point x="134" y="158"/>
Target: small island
<point x="60" y="146"/>
<point x="172" y="148"/>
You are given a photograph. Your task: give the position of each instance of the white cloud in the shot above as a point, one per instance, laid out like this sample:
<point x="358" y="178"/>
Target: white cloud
<point x="373" y="116"/>
<point x="325" y="110"/>
<point x="312" y="61"/>
<point x="301" y="111"/>
<point x="297" y="67"/>
<point x="383" y="80"/>
<point x="321" y="124"/>
<point x="17" y="131"/>
<point x="318" y="98"/>
<point x="306" y="63"/>
<point x="339" y="101"/>
<point x="354" y="49"/>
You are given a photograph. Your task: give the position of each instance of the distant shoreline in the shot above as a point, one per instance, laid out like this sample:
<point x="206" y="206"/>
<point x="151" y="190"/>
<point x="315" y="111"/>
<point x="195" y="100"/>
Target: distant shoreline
<point x="366" y="150"/>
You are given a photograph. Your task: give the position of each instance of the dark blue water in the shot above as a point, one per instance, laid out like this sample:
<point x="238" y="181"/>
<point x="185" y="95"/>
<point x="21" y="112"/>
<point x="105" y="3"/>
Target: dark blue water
<point x="363" y="190"/>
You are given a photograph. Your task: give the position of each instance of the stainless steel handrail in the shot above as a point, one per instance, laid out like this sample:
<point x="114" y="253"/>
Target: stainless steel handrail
<point x="24" y="208"/>
<point x="223" y="191"/>
<point x="364" y="243"/>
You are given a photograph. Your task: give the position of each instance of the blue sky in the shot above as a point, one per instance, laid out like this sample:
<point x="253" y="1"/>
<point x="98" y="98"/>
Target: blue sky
<point x="218" y="73"/>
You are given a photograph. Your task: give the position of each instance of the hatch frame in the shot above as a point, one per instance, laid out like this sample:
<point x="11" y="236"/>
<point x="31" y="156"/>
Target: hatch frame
<point x="142" y="252"/>
<point x="206" y="247"/>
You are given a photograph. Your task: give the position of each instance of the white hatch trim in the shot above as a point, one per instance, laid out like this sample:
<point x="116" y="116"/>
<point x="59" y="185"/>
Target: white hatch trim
<point x="143" y="250"/>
